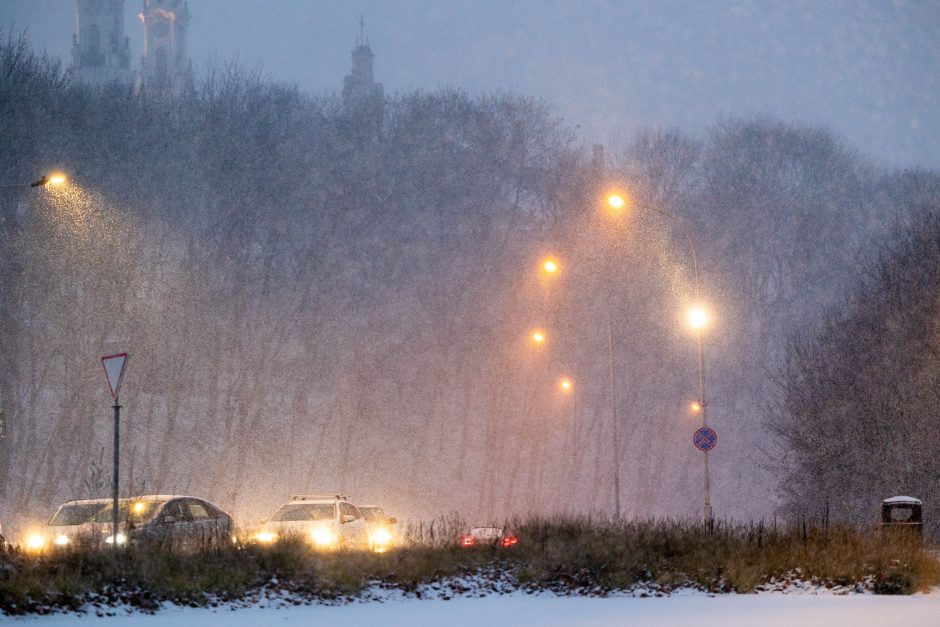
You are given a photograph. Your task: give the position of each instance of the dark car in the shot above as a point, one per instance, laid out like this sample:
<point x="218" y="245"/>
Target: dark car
<point x="495" y="536"/>
<point x="167" y="521"/>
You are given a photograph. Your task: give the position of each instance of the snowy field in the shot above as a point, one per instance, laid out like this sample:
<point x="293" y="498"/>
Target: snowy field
<point x="519" y="609"/>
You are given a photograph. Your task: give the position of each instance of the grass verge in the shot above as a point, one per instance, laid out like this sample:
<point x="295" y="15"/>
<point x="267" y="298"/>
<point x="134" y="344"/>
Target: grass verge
<point x="567" y="556"/>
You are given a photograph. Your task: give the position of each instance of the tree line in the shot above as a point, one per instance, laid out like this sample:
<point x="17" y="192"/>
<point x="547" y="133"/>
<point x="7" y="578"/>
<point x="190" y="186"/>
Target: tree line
<point x="321" y="297"/>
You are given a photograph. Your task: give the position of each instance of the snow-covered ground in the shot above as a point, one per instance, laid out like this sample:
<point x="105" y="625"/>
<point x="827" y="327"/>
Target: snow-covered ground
<point x="546" y="610"/>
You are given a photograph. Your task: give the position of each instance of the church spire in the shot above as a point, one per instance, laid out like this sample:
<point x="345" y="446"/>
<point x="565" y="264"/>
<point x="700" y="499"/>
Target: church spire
<point x="359" y="85"/>
<point x="101" y="53"/>
<point x="165" y="66"/>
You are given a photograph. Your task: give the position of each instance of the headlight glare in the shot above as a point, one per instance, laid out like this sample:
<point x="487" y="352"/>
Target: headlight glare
<point x="266" y="537"/>
<point x="323" y="537"/>
<point x="121" y="539"/>
<point x="35" y="541"/>
<point x="380" y="538"/>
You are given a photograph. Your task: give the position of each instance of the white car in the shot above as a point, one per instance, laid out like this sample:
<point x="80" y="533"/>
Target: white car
<point x="73" y="521"/>
<point x="382" y="535"/>
<point x="326" y="521"/>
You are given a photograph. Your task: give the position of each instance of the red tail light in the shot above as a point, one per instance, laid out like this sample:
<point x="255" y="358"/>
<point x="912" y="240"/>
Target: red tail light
<point x="510" y="540"/>
<point x="467" y="541"/>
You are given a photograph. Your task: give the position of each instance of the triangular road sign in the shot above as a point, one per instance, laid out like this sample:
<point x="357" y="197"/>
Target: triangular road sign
<point x="114" y="369"/>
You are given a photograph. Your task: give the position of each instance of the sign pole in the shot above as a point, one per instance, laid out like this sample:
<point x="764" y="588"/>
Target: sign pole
<point x="114" y="366"/>
<point x="115" y="519"/>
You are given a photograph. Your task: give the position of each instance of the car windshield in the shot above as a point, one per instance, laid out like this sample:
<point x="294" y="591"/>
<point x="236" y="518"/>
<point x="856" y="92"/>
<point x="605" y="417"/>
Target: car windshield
<point x="303" y="511"/>
<point x="372" y="514"/>
<point x="136" y="511"/>
<point x="75" y="514"/>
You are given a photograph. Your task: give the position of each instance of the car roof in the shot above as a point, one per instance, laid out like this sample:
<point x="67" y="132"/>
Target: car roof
<point x="320" y="497"/>
<point x="86" y="502"/>
<point x="159" y="497"/>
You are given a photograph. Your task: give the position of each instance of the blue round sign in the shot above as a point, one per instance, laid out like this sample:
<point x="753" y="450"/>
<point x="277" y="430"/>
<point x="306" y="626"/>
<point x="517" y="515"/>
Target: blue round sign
<point x="705" y="439"/>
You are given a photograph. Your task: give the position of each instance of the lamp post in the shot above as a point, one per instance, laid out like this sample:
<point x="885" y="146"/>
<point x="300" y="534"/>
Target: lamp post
<point x="550" y="266"/>
<point x="46" y="180"/>
<point x="697" y="318"/>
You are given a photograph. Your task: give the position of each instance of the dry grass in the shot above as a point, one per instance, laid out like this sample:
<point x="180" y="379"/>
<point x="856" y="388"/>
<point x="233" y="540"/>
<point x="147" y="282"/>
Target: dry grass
<point x="578" y="556"/>
<point x="619" y="555"/>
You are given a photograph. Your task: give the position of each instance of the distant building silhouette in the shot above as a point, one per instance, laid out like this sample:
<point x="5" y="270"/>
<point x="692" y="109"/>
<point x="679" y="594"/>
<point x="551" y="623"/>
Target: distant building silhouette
<point x="165" y="66"/>
<point x="359" y="86"/>
<point x="101" y="53"/>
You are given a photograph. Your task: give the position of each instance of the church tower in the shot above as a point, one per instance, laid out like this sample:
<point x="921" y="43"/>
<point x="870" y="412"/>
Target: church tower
<point x="359" y="87"/>
<point x="165" y="66"/>
<point x="101" y="54"/>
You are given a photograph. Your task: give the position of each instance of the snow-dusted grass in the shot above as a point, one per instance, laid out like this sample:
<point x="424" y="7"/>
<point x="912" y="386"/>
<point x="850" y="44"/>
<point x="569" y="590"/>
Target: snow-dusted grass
<point x="563" y="557"/>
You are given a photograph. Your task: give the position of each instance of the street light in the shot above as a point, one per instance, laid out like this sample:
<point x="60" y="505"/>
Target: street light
<point x="550" y="266"/>
<point x="55" y="178"/>
<point x="616" y="200"/>
<point x="47" y="180"/>
<point x="697" y="318"/>
<point x="50" y="179"/>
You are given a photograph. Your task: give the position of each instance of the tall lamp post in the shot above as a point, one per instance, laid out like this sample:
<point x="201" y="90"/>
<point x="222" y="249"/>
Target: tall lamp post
<point x="697" y="318"/>
<point x="550" y="266"/>
<point x="47" y="180"/>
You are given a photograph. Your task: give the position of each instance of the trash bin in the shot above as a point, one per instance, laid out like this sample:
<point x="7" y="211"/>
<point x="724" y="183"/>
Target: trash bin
<point x="902" y="514"/>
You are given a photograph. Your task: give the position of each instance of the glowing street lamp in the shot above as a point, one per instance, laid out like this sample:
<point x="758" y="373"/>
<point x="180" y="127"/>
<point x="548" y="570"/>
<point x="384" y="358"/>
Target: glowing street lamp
<point x="566" y="384"/>
<point x="53" y="179"/>
<point x="695" y="407"/>
<point x="697" y="318"/>
<point x="550" y="266"/>
<point x="616" y="201"/>
<point x="538" y="336"/>
<point x="47" y="180"/>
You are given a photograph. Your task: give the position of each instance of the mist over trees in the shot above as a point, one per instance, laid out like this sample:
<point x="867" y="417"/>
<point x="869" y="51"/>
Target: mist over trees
<point x="317" y="297"/>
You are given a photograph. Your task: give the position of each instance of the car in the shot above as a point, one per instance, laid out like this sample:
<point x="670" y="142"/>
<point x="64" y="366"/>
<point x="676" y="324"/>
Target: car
<point x="326" y="521"/>
<point x="169" y="521"/>
<point x="496" y="536"/>
<point x="381" y="528"/>
<point x="72" y="522"/>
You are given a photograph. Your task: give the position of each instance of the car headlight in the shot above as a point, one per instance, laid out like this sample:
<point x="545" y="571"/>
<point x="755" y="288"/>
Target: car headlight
<point x="35" y="541"/>
<point x="323" y="537"/>
<point x="266" y="537"/>
<point x="61" y="540"/>
<point x="380" y="539"/>
<point x="121" y="539"/>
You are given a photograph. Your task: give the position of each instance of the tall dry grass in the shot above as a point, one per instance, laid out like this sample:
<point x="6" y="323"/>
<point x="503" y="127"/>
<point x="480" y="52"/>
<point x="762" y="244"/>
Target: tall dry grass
<point x="577" y="556"/>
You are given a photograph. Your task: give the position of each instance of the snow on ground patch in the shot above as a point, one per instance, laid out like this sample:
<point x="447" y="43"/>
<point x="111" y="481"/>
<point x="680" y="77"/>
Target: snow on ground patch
<point x="548" y="611"/>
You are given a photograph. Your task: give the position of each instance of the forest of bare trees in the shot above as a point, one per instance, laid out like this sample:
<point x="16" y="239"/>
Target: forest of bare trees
<point x="319" y="298"/>
<point x="857" y="405"/>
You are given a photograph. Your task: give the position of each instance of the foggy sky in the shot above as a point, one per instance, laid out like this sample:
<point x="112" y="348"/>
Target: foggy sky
<point x="870" y="70"/>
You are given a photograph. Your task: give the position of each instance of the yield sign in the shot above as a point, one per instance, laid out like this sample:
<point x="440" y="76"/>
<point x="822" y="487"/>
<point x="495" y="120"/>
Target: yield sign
<point x="114" y="369"/>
